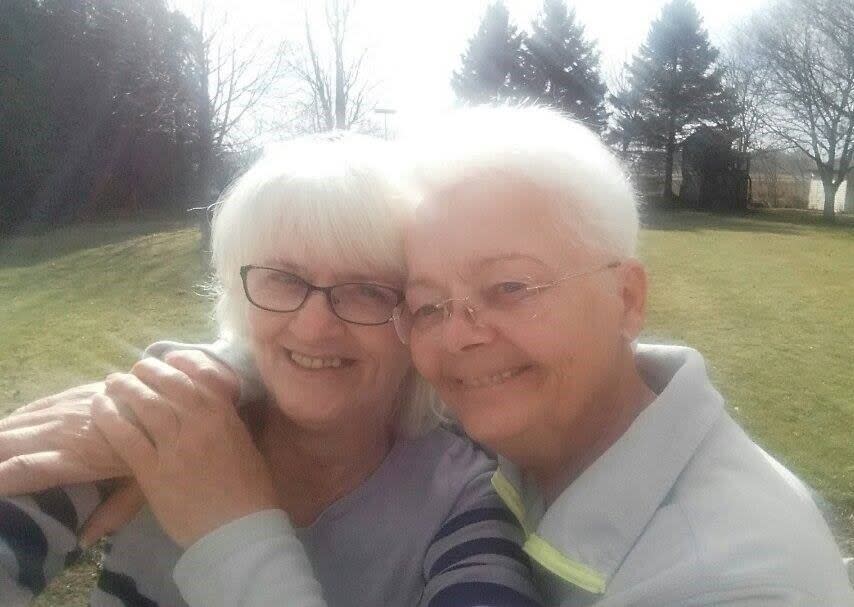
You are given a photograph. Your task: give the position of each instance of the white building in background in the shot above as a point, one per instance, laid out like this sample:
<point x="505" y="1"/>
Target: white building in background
<point x="844" y="198"/>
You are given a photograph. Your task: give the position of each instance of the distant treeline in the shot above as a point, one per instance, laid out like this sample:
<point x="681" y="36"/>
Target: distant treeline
<point x="102" y="111"/>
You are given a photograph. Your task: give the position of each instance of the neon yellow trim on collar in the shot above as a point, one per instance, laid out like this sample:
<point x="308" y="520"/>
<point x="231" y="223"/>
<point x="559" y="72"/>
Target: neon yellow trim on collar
<point x="508" y="494"/>
<point x="572" y="571"/>
<point x="540" y="550"/>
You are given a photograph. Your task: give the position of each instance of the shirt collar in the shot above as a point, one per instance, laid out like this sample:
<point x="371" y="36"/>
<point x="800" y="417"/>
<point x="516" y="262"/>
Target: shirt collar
<point x="590" y="528"/>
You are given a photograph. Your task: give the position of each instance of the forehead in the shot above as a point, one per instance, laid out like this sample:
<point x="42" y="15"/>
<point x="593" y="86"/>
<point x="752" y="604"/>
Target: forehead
<point x="487" y="218"/>
<point x="322" y="265"/>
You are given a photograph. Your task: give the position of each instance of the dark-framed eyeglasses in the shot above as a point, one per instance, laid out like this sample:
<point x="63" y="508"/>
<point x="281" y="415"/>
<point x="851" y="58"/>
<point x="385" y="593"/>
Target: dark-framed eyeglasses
<point x="359" y="303"/>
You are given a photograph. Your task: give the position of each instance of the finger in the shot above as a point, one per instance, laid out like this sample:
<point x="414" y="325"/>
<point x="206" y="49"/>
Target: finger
<point x="23" y="420"/>
<point x="206" y="373"/>
<point x="39" y="471"/>
<point x="114" y="513"/>
<point x="149" y="411"/>
<point x="127" y="440"/>
<point x="169" y="382"/>
<point x="27" y="439"/>
<point x="77" y="393"/>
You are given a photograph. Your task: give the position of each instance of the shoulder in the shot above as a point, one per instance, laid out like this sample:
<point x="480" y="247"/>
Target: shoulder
<point x="738" y="519"/>
<point x="452" y="460"/>
<point x="448" y="479"/>
<point x="475" y="555"/>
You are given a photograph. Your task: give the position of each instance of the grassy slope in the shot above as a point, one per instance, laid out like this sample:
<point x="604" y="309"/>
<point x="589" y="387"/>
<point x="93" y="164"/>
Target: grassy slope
<point x="79" y="303"/>
<point x="767" y="299"/>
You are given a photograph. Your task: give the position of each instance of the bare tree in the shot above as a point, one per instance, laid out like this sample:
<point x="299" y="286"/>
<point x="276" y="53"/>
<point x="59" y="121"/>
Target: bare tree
<point x="334" y="92"/>
<point x="807" y="50"/>
<point x="235" y="73"/>
<point x="747" y="78"/>
<point x="236" y="77"/>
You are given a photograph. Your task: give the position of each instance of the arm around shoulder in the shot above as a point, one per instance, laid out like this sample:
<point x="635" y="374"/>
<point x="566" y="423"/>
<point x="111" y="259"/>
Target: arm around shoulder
<point x="255" y="561"/>
<point x="476" y="557"/>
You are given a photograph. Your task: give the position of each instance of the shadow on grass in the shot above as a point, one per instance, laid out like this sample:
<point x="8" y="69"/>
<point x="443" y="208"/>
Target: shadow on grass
<point x="31" y="249"/>
<point x="840" y="518"/>
<point x="772" y="221"/>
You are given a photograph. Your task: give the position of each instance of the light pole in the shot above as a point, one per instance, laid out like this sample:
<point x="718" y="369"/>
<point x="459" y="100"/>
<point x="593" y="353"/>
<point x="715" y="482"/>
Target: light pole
<point x="385" y="112"/>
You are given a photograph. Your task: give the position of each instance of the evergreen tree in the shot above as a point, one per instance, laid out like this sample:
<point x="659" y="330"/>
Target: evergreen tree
<point x="675" y="84"/>
<point x="491" y="62"/>
<point x="560" y="68"/>
<point x="627" y="125"/>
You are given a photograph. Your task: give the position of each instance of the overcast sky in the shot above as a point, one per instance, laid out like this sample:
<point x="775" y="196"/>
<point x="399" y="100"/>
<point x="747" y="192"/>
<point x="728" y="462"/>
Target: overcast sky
<point x="414" y="45"/>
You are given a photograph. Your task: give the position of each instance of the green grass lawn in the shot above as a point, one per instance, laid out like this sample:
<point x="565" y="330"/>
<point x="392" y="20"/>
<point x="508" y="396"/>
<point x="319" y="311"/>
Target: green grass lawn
<point x="78" y="303"/>
<point x="767" y="298"/>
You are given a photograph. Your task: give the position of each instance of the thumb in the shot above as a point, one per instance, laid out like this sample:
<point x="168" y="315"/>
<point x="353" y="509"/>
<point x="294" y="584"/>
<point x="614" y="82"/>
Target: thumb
<point x="113" y="514"/>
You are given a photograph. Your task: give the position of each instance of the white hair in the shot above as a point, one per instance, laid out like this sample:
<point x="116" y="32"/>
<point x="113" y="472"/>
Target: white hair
<point x="544" y="148"/>
<point x="338" y="197"/>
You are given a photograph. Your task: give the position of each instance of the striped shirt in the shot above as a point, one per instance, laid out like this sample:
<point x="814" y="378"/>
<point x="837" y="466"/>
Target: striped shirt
<point x="426" y="528"/>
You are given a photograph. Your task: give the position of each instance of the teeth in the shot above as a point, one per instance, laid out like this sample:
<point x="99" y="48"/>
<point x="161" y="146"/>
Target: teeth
<point x="310" y="362"/>
<point x="479" y="382"/>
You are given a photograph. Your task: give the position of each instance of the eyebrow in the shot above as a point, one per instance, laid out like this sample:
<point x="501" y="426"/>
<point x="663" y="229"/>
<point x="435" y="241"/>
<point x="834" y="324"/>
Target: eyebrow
<point x="385" y="279"/>
<point x="424" y="282"/>
<point x="382" y="279"/>
<point x="506" y="257"/>
<point x="285" y="266"/>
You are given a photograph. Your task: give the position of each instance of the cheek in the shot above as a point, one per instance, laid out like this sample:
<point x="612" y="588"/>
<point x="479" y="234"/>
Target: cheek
<point x="578" y="354"/>
<point x="265" y="330"/>
<point x="425" y="357"/>
<point x="264" y="326"/>
<point x="392" y="357"/>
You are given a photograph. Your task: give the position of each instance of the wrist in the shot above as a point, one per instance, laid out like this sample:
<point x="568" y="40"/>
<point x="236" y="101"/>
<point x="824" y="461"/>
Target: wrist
<point x="210" y="525"/>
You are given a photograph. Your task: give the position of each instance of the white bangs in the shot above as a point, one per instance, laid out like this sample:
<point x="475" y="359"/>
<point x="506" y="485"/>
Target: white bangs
<point x="543" y="148"/>
<point x="340" y="202"/>
<point x="345" y="221"/>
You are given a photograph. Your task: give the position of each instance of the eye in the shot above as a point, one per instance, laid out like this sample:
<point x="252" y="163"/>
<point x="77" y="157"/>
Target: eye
<point x="426" y="311"/>
<point x="507" y="292"/>
<point x="285" y="279"/>
<point x="375" y="292"/>
<point x="274" y="279"/>
<point x="509" y="287"/>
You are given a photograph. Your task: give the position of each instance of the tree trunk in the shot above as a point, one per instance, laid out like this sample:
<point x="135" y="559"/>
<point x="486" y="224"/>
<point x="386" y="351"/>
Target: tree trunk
<point x="830" y="188"/>
<point x="204" y="177"/>
<point x="670" y="152"/>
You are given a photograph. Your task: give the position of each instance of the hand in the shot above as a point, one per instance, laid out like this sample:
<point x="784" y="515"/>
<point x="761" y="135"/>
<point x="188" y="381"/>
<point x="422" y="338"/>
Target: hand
<point x="112" y="514"/>
<point x="191" y="454"/>
<point x="53" y="442"/>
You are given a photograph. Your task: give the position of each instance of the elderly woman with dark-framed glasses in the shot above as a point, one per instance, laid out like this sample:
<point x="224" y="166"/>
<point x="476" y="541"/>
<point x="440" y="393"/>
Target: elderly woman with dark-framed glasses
<point x="333" y="484"/>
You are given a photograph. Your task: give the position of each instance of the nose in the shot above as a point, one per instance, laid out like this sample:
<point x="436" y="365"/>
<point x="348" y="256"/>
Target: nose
<point x="315" y="321"/>
<point x="462" y="331"/>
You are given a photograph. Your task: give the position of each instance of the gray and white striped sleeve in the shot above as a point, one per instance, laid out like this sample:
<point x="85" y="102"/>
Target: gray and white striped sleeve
<point x="38" y="538"/>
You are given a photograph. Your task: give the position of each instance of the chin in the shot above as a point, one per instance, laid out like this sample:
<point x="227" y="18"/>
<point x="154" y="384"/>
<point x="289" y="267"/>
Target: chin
<point x="494" y="424"/>
<point x="310" y="403"/>
<point x="315" y="416"/>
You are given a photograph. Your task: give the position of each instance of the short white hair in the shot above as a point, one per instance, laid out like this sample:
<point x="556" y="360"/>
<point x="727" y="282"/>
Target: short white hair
<point x="543" y="148"/>
<point x="339" y="196"/>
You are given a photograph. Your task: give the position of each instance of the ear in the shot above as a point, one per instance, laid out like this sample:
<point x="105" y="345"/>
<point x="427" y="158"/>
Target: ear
<point x="633" y="294"/>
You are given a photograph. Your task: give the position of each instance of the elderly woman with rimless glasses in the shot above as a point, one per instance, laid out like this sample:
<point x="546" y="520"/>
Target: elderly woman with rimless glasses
<point x="524" y="300"/>
<point x="337" y="487"/>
